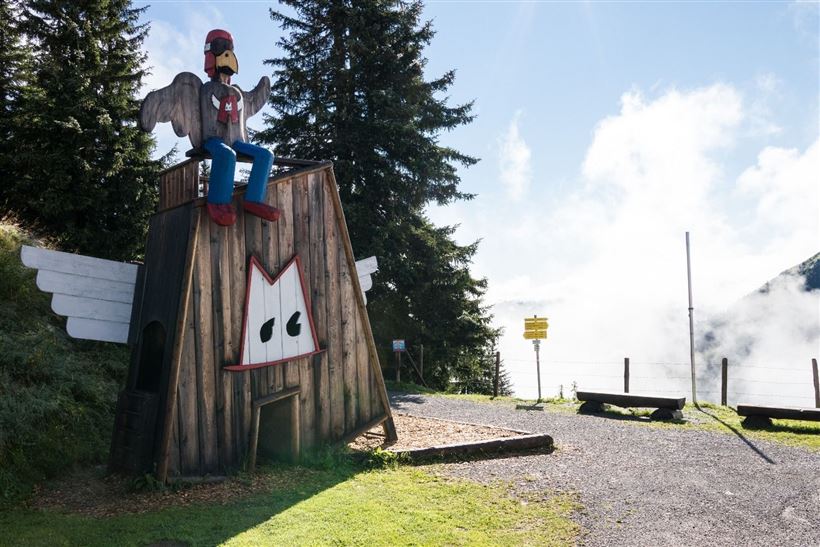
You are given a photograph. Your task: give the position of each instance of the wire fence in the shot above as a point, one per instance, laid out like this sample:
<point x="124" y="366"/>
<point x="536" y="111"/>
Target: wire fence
<point x="752" y="383"/>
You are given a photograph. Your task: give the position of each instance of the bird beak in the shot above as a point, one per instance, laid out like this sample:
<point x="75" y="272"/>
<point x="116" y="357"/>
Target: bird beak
<point x="228" y="60"/>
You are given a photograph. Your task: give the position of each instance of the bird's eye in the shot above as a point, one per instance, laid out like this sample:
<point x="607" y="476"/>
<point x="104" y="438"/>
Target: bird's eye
<point x="220" y="45"/>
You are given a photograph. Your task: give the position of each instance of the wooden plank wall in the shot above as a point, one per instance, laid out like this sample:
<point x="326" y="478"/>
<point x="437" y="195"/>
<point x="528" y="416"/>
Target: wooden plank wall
<point x="179" y="184"/>
<point x="338" y="389"/>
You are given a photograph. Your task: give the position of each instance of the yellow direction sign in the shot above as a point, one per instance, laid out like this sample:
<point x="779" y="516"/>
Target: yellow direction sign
<point x="535" y="328"/>
<point x="533" y="323"/>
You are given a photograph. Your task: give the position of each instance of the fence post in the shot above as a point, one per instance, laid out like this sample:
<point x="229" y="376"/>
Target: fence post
<point x="816" y="383"/>
<point x="421" y="362"/>
<point x="398" y="367"/>
<point x="724" y="380"/>
<point x="497" y="367"/>
<point x="626" y="374"/>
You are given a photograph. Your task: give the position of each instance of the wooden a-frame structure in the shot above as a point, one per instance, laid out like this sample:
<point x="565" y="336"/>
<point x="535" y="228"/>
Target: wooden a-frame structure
<point x="182" y="413"/>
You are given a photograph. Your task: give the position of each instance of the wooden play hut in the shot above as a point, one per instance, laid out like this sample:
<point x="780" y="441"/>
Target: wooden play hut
<point x="182" y="413"/>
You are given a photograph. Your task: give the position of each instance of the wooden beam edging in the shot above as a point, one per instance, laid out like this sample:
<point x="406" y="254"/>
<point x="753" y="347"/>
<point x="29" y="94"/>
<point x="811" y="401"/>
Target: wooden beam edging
<point x="176" y="356"/>
<point x="364" y="429"/>
<point x="524" y="442"/>
<point x="330" y="183"/>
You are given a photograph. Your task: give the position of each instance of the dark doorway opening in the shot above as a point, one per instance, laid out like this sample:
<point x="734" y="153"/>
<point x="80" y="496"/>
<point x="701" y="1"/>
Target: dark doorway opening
<point x="152" y="351"/>
<point x="275" y="428"/>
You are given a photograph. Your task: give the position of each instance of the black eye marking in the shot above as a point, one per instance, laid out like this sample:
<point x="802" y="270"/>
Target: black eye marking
<point x="266" y="332"/>
<point x="293" y="327"/>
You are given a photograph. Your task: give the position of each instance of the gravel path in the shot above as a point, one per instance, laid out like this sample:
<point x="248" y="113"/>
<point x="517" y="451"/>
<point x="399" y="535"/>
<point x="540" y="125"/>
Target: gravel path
<point x="651" y="486"/>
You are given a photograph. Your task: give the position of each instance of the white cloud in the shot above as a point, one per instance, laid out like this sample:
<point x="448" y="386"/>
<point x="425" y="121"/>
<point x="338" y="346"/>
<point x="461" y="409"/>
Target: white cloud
<point x="607" y="263"/>
<point x="785" y="186"/>
<point x="173" y="48"/>
<point x="514" y="162"/>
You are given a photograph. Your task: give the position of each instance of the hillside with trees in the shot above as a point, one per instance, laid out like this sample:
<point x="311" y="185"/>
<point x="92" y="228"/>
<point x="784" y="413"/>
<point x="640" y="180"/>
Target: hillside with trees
<point x="78" y="169"/>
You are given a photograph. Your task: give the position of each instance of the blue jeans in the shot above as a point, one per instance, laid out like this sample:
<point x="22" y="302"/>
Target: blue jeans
<point x="223" y="166"/>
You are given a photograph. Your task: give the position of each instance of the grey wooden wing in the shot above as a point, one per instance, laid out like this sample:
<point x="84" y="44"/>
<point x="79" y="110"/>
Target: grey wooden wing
<point x="364" y="268"/>
<point x="177" y="103"/>
<point x="95" y="295"/>
<point x="256" y="98"/>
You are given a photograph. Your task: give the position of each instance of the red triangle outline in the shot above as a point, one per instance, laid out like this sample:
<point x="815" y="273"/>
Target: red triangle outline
<point x="255" y="262"/>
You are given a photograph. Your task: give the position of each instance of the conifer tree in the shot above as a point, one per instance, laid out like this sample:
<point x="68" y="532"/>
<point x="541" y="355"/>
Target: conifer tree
<point x="350" y="88"/>
<point x="82" y="171"/>
<point x="14" y="64"/>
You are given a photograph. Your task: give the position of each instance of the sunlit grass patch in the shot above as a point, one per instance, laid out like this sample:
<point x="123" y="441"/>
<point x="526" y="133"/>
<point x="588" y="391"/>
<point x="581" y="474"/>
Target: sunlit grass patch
<point x="402" y="506"/>
<point x="410" y="507"/>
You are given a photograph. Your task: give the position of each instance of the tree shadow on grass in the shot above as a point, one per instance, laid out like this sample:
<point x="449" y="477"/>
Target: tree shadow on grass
<point x="401" y="398"/>
<point x="640" y="417"/>
<point x="740" y="435"/>
<point x="182" y="522"/>
<point x="776" y="427"/>
<point x="796" y="429"/>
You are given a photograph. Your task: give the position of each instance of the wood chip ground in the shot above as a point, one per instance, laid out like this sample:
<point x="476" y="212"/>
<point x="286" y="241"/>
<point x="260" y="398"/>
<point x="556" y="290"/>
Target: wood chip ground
<point x="418" y="432"/>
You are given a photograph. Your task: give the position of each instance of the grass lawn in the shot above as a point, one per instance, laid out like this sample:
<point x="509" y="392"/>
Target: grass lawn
<point x="401" y="506"/>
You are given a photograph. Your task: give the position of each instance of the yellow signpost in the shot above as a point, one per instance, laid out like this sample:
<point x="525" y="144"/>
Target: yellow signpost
<point x="536" y="322"/>
<point x="535" y="329"/>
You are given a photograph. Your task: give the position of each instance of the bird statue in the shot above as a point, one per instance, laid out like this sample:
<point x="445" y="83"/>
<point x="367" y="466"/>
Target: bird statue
<point x="213" y="115"/>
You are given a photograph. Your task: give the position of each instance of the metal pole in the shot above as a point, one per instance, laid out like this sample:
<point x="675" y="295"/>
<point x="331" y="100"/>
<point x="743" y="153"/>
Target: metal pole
<point x="691" y="320"/>
<point x="537" y="344"/>
<point x="497" y="368"/>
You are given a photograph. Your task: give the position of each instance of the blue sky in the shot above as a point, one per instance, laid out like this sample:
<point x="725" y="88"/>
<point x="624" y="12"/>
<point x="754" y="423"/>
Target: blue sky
<point x="606" y="130"/>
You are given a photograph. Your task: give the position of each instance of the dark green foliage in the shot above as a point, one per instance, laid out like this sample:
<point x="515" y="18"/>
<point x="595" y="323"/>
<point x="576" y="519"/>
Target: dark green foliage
<point x="82" y="171"/>
<point x="57" y="395"/>
<point x="14" y="66"/>
<point x="477" y="376"/>
<point x="351" y="88"/>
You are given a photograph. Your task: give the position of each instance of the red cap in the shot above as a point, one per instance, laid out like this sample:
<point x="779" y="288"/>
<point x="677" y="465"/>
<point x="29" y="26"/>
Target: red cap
<point x="210" y="58"/>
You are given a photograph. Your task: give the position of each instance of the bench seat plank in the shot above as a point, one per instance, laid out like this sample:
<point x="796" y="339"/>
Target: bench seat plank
<point x="780" y="412"/>
<point x="629" y="400"/>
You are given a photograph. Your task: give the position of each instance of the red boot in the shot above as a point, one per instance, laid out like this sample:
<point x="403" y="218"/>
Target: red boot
<point x="222" y="213"/>
<point x="262" y="210"/>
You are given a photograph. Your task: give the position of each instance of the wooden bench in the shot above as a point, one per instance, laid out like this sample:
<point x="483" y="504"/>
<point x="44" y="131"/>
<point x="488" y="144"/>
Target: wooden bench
<point x="761" y="416"/>
<point x="667" y="408"/>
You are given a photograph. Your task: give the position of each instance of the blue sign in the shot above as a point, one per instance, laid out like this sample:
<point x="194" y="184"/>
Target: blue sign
<point x="398" y="345"/>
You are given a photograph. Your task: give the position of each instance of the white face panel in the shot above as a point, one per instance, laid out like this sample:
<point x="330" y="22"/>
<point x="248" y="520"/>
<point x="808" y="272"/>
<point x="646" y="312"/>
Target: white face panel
<point x="277" y="324"/>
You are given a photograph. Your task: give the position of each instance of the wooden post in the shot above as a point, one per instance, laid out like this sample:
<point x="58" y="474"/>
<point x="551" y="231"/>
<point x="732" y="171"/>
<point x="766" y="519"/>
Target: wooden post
<point x="421" y="362"/>
<point x="398" y="367"/>
<point x="724" y="380"/>
<point x="497" y="368"/>
<point x="179" y="333"/>
<point x="626" y="374"/>
<point x="816" y="383"/>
